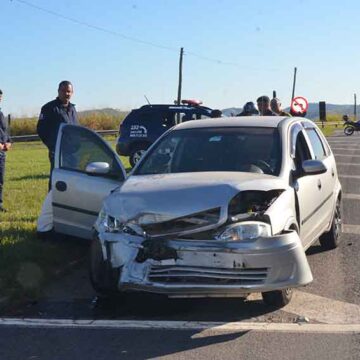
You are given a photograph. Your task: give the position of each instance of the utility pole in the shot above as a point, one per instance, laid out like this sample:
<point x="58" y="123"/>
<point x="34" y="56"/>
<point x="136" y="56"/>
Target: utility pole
<point x="180" y="82"/>
<point x="354" y="107"/>
<point x="294" y="83"/>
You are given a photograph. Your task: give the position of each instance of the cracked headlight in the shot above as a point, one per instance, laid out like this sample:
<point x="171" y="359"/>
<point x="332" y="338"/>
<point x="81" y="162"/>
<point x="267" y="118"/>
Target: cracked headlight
<point x="108" y="223"/>
<point x="246" y="230"/>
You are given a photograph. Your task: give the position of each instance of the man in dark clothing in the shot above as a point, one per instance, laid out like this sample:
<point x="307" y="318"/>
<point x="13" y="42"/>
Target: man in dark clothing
<point x="5" y="145"/>
<point x="248" y="110"/>
<point x="216" y="113"/>
<point x="275" y="105"/>
<point x="263" y="104"/>
<point x="52" y="115"/>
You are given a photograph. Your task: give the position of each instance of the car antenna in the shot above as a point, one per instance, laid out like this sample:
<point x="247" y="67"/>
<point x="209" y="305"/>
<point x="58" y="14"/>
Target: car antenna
<point x="147" y="99"/>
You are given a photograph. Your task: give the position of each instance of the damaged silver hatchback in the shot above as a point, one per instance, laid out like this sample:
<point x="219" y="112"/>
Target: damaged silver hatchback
<point x="218" y="207"/>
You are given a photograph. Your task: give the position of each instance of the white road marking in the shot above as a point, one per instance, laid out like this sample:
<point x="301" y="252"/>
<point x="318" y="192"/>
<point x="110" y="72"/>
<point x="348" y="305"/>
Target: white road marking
<point x="347" y="145"/>
<point x="181" y="325"/>
<point x="344" y="148"/>
<point x="343" y="140"/>
<point x="347" y="164"/>
<point x="351" y="229"/>
<point x="347" y="176"/>
<point x="351" y="196"/>
<point x="349" y="155"/>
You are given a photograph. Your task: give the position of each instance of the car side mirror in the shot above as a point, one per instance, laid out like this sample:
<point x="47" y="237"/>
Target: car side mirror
<point x="313" y="167"/>
<point x="97" y="168"/>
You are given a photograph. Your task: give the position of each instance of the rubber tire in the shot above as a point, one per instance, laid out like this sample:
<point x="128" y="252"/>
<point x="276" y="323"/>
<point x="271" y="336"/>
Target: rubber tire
<point x="103" y="277"/>
<point x="330" y="240"/>
<point x="349" y="130"/>
<point x="277" y="298"/>
<point x="132" y="156"/>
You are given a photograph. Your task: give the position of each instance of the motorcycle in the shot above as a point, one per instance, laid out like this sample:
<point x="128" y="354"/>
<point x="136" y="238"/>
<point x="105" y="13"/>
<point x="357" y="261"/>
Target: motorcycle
<point x="350" y="127"/>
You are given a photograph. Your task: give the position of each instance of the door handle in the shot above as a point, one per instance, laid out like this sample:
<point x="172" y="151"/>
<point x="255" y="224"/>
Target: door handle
<point x="319" y="184"/>
<point x="61" y="186"/>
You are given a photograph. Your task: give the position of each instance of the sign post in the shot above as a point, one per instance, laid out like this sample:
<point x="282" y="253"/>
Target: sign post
<point x="322" y="112"/>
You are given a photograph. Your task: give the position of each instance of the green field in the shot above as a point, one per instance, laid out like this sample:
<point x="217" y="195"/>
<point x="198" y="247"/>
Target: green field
<point x="26" y="263"/>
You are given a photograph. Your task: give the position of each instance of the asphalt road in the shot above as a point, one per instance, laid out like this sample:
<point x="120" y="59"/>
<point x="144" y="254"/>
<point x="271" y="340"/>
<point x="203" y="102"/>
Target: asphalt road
<point x="332" y="301"/>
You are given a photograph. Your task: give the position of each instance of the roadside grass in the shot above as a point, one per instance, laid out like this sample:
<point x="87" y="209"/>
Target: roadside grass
<point x="329" y="129"/>
<point x="26" y="263"/>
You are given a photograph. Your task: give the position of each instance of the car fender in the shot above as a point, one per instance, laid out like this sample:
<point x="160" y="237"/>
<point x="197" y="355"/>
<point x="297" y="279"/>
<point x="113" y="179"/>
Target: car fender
<point x="282" y="212"/>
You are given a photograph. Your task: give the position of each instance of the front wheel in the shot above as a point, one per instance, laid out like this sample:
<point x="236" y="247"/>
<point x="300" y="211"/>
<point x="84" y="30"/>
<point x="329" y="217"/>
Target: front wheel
<point x="103" y="277"/>
<point x="136" y="154"/>
<point x="331" y="239"/>
<point x="349" y="130"/>
<point x="277" y="298"/>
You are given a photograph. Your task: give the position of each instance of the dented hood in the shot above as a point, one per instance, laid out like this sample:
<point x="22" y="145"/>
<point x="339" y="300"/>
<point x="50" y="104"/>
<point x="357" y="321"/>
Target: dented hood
<point x="157" y="198"/>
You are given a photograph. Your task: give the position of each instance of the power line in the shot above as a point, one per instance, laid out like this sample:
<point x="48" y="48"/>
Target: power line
<point x="95" y="27"/>
<point x="124" y="36"/>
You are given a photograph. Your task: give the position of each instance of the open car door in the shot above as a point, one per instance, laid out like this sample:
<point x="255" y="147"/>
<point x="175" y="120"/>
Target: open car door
<point x="86" y="170"/>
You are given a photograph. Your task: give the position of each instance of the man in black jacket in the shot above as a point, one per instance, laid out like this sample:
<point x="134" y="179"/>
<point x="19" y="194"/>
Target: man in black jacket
<point x="263" y="104"/>
<point x="52" y="115"/>
<point x="5" y="145"/>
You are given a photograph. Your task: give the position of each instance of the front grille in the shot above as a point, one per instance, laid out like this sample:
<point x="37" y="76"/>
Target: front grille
<point x="199" y="275"/>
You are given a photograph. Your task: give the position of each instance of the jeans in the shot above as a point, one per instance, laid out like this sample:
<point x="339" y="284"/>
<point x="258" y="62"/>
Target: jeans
<point x="52" y="159"/>
<point x="2" y="175"/>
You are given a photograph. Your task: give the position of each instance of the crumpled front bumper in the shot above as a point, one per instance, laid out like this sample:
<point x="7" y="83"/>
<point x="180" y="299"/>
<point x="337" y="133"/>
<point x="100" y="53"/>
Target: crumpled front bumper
<point x="207" y="267"/>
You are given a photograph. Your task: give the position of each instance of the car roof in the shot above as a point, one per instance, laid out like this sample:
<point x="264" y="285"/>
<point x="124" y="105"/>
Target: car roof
<point x="236" y="121"/>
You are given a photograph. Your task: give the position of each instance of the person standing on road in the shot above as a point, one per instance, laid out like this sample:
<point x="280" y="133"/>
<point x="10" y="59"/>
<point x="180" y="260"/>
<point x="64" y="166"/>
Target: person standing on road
<point x="52" y="115"/>
<point x="275" y="105"/>
<point x="263" y="104"/>
<point x="5" y="145"/>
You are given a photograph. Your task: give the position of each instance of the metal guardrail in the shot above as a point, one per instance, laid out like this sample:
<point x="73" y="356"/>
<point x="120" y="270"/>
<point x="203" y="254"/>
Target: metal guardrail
<point x="322" y="124"/>
<point x="23" y="138"/>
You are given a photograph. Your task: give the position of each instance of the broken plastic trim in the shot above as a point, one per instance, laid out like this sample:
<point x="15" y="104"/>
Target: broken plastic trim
<point x="155" y="249"/>
<point x="252" y="201"/>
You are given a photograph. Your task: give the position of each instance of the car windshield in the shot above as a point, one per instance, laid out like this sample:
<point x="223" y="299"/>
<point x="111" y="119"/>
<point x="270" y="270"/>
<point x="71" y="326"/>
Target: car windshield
<point x="246" y="149"/>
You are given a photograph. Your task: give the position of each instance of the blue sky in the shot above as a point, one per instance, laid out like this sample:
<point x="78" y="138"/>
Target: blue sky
<point x="257" y="42"/>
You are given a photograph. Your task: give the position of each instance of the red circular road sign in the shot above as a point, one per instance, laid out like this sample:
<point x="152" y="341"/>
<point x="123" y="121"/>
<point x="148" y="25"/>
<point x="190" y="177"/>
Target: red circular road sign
<point x="299" y="105"/>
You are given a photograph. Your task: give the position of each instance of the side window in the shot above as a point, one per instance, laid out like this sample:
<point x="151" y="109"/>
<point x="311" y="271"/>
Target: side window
<point x="316" y="144"/>
<point x="186" y="116"/>
<point x="168" y="120"/>
<point x="302" y="151"/>
<point x="161" y="158"/>
<point x="323" y="141"/>
<point x="80" y="146"/>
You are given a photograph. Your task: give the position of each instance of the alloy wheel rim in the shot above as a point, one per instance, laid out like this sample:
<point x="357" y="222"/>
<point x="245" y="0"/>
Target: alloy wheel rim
<point x="337" y="221"/>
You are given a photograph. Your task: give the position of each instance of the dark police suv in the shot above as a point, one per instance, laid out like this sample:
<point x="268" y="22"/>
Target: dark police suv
<point x="143" y="126"/>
